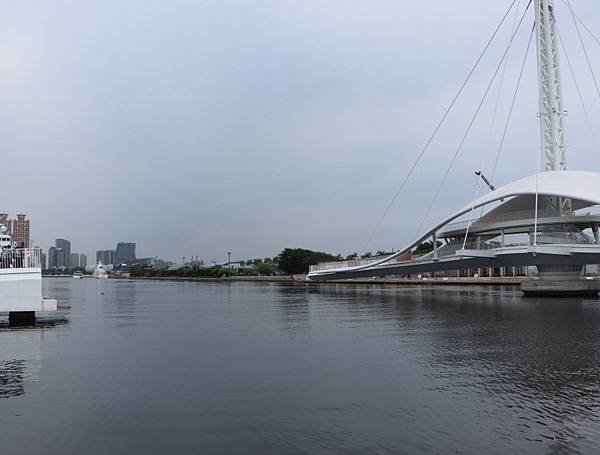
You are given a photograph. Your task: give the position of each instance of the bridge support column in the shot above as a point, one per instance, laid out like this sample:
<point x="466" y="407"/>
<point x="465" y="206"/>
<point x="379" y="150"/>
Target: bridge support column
<point x="435" y="247"/>
<point x="596" y="234"/>
<point x="560" y="281"/>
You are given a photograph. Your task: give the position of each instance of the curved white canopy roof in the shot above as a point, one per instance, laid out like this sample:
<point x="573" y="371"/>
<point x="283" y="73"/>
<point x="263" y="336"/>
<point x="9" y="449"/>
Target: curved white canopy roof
<point x="579" y="185"/>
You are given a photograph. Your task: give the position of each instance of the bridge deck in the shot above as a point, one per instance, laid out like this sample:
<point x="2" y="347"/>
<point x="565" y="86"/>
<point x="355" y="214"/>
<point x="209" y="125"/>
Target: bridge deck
<point x="465" y="259"/>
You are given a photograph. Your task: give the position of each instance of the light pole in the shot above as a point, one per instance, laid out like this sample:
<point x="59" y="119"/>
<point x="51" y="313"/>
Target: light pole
<point x="229" y="260"/>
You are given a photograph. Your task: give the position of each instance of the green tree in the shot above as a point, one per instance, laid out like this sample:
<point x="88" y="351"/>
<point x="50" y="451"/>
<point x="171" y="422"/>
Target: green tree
<point x="263" y="268"/>
<point x="293" y="261"/>
<point x="425" y="247"/>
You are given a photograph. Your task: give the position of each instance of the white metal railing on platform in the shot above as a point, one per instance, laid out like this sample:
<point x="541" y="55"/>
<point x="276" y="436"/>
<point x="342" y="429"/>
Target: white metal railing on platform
<point x="21" y="258"/>
<point x="351" y="263"/>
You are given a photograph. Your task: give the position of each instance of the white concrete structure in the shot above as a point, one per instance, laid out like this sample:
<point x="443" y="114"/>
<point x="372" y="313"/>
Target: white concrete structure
<point x="21" y="282"/>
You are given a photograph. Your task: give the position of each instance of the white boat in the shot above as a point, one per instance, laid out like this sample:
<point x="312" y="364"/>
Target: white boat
<point x="100" y="271"/>
<point x="21" y="281"/>
<point x="77" y="275"/>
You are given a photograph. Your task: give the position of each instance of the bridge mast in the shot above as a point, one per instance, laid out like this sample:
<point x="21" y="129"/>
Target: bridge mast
<point x="552" y="113"/>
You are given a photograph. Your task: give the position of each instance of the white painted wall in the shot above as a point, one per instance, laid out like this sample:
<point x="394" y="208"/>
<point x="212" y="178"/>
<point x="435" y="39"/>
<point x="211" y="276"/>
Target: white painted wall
<point x="21" y="290"/>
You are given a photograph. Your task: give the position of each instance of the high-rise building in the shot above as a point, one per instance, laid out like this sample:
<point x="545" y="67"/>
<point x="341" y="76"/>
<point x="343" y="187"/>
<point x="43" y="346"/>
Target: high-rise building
<point x="74" y="260"/>
<point x="82" y="260"/>
<point x="5" y="221"/>
<point x="125" y="252"/>
<point x="43" y="258"/>
<point x="52" y="258"/>
<point x="63" y="253"/>
<point x="107" y="257"/>
<point x="20" y="230"/>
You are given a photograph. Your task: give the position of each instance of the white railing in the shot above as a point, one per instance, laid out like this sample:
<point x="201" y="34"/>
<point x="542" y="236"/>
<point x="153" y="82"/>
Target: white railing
<point x="543" y="238"/>
<point x="21" y="258"/>
<point x="352" y="263"/>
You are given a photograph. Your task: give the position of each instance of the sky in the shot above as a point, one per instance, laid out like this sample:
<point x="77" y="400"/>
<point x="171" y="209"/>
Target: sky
<point x="202" y="127"/>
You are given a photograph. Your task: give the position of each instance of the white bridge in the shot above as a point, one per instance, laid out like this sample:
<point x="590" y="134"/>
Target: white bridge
<point x="549" y="220"/>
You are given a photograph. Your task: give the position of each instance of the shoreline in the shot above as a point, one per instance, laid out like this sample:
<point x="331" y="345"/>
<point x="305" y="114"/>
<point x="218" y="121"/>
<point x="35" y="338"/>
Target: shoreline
<point x="466" y="281"/>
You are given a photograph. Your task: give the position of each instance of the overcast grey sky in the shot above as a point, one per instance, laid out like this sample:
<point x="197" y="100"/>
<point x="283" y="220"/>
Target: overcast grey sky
<point x="201" y="127"/>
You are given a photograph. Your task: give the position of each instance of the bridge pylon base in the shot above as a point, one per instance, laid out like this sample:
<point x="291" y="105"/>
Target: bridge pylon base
<point x="552" y="288"/>
<point x="560" y="281"/>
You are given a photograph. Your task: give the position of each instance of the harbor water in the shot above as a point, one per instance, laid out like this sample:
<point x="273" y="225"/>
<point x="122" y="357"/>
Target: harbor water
<point x="175" y="367"/>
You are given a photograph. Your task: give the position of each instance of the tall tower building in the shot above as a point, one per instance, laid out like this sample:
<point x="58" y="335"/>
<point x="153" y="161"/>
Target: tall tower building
<point x="52" y="258"/>
<point x="74" y="262"/>
<point x="64" y="253"/>
<point x="82" y="260"/>
<point x="125" y="252"/>
<point x="20" y="230"/>
<point x="107" y="257"/>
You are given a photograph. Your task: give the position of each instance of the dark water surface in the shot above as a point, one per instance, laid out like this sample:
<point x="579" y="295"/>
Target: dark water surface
<point x="148" y="367"/>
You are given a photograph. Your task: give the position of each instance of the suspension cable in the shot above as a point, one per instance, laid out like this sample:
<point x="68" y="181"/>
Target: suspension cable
<point x="477" y="183"/>
<point x="572" y="71"/>
<point x="538" y="165"/>
<point x="499" y="95"/>
<point x="587" y="29"/>
<point x="587" y="57"/>
<point x="510" y="111"/>
<point x="440" y="123"/>
<point x="471" y="123"/>
<point x="512" y="105"/>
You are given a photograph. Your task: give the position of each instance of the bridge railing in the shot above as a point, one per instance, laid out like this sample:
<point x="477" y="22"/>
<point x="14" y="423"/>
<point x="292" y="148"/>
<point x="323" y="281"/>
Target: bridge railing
<point x="542" y="238"/>
<point x="20" y="258"/>
<point x="352" y="263"/>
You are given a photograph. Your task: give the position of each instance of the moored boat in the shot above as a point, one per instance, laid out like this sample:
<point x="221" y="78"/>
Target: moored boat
<point x="99" y="271"/>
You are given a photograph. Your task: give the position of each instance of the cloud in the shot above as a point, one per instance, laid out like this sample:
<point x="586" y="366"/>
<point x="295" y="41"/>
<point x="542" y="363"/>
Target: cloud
<point x="205" y="127"/>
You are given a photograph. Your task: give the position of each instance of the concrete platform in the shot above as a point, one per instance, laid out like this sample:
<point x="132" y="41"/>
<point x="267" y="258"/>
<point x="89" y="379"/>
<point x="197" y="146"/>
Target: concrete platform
<point x="535" y="287"/>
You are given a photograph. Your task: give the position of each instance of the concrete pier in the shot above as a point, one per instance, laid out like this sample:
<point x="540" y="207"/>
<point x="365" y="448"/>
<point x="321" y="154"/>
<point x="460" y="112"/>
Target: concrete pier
<point x="538" y="287"/>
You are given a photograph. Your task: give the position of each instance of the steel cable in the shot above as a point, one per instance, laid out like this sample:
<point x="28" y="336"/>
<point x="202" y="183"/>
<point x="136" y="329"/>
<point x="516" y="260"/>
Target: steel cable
<point x="439" y="125"/>
<point x="471" y="123"/>
<point x="585" y="111"/>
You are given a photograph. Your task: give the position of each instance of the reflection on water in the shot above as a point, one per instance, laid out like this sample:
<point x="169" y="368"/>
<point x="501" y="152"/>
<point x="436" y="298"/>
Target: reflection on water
<point x="296" y="368"/>
<point x="537" y="359"/>
<point x="12" y="374"/>
<point x="20" y="355"/>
